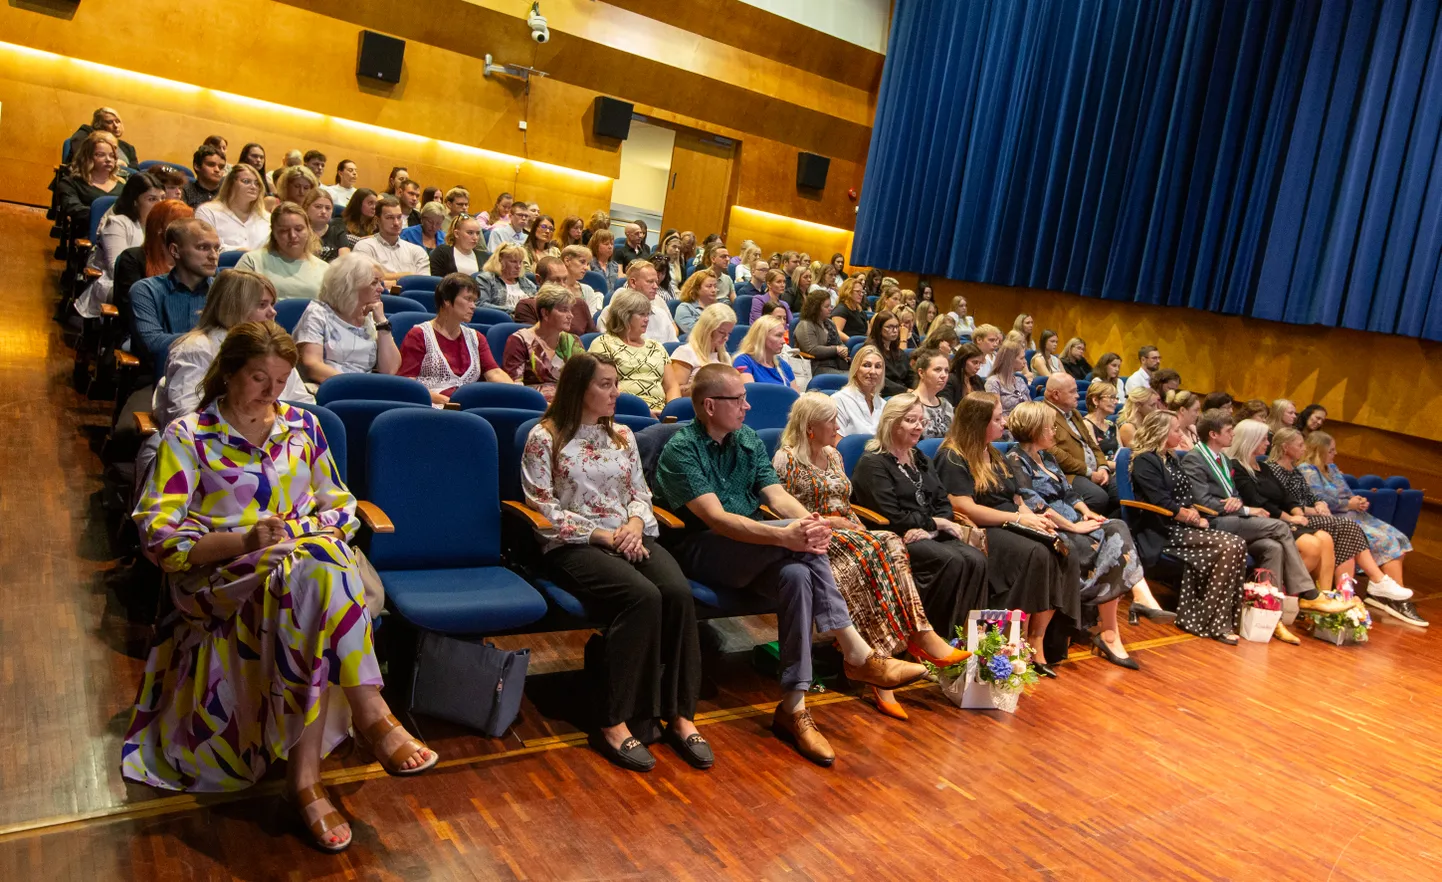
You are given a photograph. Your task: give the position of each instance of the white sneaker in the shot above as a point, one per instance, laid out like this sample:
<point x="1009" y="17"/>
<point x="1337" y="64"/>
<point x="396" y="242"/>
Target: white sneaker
<point x="1388" y="589"/>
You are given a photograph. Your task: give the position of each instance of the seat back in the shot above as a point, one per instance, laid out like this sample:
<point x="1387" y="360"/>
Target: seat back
<point x="588" y="339"/>
<point x="402" y="322"/>
<point x="680" y="408"/>
<point x="1038" y="386"/>
<point x="497" y="335"/>
<point x="1370" y="482"/>
<point x="851" y="447"/>
<point x="228" y="260"/>
<point x="1003" y="447"/>
<point x="436" y="474"/>
<point x="771" y="438"/>
<point x="742" y="307"/>
<point x="738" y="334"/>
<point x="509" y="395"/>
<point x="1397" y="482"/>
<point x="287" y="313"/>
<point x="488" y="315"/>
<point x="595" y="280"/>
<point x="504" y="422"/>
<point x="634" y="405"/>
<point x="1409" y="509"/>
<point x="827" y="383"/>
<point x="372" y="387"/>
<point x="1124" y="474"/>
<point x="770" y="405"/>
<point x="929" y="446"/>
<point x="97" y="211"/>
<point x="335" y="437"/>
<point x="357" y="415"/>
<point x="398" y="303"/>
<point x="421" y="284"/>
<point x="633" y="422"/>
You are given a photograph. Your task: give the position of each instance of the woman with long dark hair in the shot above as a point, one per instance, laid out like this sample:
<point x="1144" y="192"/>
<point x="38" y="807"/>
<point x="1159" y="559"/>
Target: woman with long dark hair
<point x="583" y="474"/>
<point x="885" y="335"/>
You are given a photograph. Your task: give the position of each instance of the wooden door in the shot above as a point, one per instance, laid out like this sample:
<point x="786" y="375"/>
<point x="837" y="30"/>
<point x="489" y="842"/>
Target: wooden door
<point x="700" y="185"/>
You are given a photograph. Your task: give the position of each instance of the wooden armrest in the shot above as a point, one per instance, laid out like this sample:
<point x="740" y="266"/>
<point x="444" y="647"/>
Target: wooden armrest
<point x="870" y="516"/>
<point x="371" y="515"/>
<point x="394" y="289"/>
<point x="1147" y="506"/>
<point x="145" y="422"/>
<point x="109" y="311"/>
<point x="125" y="359"/>
<point x="91" y="273"/>
<point x="770" y="513"/>
<point x="666" y="519"/>
<point x="84" y="243"/>
<point x="537" y="520"/>
<point x="451" y="405"/>
<point x="669" y="419"/>
<point x="806" y="355"/>
<point x="1209" y="512"/>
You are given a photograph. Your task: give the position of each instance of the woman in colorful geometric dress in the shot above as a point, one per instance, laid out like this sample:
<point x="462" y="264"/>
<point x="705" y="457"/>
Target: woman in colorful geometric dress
<point x="872" y="568"/>
<point x="246" y="513"/>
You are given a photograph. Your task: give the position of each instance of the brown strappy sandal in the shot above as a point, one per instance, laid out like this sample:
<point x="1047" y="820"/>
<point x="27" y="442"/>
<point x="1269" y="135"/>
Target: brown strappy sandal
<point x="377" y="731"/>
<point x="323" y="825"/>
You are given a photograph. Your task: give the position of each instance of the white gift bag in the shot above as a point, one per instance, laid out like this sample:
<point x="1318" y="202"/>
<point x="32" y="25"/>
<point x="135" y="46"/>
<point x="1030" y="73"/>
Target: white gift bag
<point x="967" y="691"/>
<point x="1258" y="625"/>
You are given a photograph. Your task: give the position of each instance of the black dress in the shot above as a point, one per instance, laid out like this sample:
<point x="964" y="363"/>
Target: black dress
<point x="1079" y="369"/>
<point x="958" y="387"/>
<point x="899" y="375"/>
<point x="854" y="320"/>
<point x="1277" y="490"/>
<point x="1107" y="440"/>
<point x="1023" y="573"/>
<point x="950" y="576"/>
<point x="74" y="198"/>
<point x="1213" y="562"/>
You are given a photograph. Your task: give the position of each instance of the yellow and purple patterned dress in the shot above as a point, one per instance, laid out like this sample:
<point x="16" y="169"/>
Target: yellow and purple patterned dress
<point x="245" y="650"/>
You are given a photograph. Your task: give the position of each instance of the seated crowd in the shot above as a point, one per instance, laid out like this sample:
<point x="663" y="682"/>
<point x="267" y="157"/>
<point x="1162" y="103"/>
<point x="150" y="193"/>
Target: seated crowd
<point x="885" y="559"/>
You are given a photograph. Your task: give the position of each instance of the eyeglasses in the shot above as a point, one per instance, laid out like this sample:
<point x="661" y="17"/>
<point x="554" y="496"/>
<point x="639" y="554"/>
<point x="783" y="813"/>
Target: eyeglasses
<point x="741" y="398"/>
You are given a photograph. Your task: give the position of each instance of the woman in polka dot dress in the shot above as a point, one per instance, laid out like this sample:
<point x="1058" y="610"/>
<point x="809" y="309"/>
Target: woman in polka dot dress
<point x="1213" y="562"/>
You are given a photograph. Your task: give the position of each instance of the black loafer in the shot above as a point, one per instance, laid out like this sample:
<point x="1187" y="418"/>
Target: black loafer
<point x="693" y="749"/>
<point x="632" y="755"/>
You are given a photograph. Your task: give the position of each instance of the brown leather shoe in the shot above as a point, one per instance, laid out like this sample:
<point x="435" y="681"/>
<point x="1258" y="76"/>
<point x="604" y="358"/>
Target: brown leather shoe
<point x="1282" y="634"/>
<point x="1324" y="605"/>
<point x="883" y="672"/>
<point x="801" y="731"/>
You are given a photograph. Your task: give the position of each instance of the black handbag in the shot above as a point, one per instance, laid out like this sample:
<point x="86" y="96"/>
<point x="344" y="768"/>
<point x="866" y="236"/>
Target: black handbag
<point x="469" y="682"/>
<point x="1057" y="545"/>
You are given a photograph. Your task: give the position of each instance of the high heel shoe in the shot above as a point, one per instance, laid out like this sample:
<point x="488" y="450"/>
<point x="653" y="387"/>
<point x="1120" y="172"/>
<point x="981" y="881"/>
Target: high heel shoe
<point x="890" y="708"/>
<point x="1156" y="614"/>
<point x="1230" y="639"/>
<point x="1099" y="646"/>
<point x="1044" y="669"/>
<point x="955" y="657"/>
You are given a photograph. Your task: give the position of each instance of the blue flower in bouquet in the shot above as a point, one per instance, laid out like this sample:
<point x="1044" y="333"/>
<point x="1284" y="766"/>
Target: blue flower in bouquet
<point x="1000" y="666"/>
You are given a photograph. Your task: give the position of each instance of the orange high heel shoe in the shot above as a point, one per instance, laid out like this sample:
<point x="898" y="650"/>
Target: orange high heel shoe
<point x="956" y="656"/>
<point x="890" y="708"/>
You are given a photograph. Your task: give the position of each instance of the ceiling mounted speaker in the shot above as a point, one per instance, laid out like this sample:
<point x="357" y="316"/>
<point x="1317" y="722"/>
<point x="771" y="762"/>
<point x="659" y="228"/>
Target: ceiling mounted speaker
<point x="380" y="57"/>
<point x="612" y="118"/>
<point x="811" y="171"/>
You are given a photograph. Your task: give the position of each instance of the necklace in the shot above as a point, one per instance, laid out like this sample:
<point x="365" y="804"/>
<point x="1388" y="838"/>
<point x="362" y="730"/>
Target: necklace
<point x="907" y="471"/>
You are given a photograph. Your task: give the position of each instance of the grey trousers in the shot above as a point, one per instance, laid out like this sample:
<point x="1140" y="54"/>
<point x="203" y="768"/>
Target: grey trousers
<point x="1270" y="543"/>
<point x="801" y="584"/>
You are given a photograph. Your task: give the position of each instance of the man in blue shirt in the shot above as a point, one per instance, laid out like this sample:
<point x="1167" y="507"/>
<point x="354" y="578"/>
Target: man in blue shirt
<point x="164" y="307"/>
<point x="715" y="474"/>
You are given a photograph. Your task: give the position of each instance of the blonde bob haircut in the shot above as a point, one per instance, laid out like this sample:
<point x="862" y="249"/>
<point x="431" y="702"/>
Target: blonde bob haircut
<point x="1096" y="390"/>
<point x="754" y="343"/>
<point x="493" y="264"/>
<point x="981" y="332"/>
<point x="289" y="173"/>
<point x="808" y="410"/>
<point x="625" y="305"/>
<point x="897" y="407"/>
<point x="712" y="317"/>
<point x="341" y="285"/>
<point x="691" y="289"/>
<point x="576" y="251"/>
<point x="433" y="210"/>
<point x="1028" y="421"/>
<point x="1281" y="438"/>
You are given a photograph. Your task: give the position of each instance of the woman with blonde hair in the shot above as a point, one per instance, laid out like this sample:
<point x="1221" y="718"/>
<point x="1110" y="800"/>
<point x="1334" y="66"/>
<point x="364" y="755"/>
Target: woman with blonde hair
<point x="1101" y="403"/>
<point x="801" y="282"/>
<point x="872" y="569"/>
<point x="599" y="220"/>
<point x="859" y="402"/>
<point x="292" y="184"/>
<point x="849" y="314"/>
<point x="1074" y="359"/>
<point x="1188" y="408"/>
<point x="697" y="295"/>
<point x="459" y="250"/>
<point x="705" y="344"/>
<point x="749" y="255"/>
<point x="1283" y="415"/>
<point x="925" y="317"/>
<point x="288" y="258"/>
<point x="345" y="329"/>
<point x="93" y="174"/>
<point x="430" y="233"/>
<point x="640" y="361"/>
<point x="1024" y="325"/>
<point x="758" y="358"/>
<point x="238" y="211"/>
<point x="1213" y="561"/>
<point x="502" y="282"/>
<point x="1141" y="402"/>
<point x="1006" y="381"/>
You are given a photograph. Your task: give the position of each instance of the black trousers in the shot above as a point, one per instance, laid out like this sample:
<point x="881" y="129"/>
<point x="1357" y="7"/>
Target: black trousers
<point x="653" y="653"/>
<point x="1102" y="500"/>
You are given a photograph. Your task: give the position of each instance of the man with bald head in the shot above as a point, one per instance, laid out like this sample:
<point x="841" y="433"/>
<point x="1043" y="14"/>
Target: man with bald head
<point x="1076" y="450"/>
<point x="641" y="276"/>
<point x="635" y="247"/>
<point x="164" y="307"/>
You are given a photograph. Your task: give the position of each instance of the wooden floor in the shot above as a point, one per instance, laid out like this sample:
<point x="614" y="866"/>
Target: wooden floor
<point x="1262" y="762"/>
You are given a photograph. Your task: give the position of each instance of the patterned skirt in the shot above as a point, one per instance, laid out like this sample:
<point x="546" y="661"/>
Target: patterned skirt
<point x="241" y="663"/>
<point x="873" y="573"/>
<point x="1348" y="540"/>
<point x="1386" y="541"/>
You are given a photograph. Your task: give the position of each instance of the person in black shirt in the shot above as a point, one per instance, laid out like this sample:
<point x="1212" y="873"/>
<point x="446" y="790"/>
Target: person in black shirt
<point x="635" y="247"/>
<point x="209" y="166"/>
<point x="104" y="119"/>
<point x="886" y="337"/>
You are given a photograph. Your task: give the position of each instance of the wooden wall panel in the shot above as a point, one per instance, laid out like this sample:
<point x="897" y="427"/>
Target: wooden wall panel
<point x="777" y="233"/>
<point x="768" y="182"/>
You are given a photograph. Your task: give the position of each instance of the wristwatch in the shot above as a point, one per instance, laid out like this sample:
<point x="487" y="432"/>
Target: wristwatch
<point x="383" y="326"/>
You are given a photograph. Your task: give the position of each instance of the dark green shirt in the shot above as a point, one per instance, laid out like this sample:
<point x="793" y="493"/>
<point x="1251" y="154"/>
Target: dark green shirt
<point x="692" y="465"/>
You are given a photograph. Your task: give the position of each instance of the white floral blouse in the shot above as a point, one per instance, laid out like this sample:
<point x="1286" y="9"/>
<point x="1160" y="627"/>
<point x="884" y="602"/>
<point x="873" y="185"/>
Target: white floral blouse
<point x="592" y="485"/>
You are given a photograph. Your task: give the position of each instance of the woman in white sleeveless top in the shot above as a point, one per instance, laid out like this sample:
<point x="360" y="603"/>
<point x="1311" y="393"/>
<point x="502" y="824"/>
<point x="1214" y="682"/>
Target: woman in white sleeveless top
<point x="443" y="353"/>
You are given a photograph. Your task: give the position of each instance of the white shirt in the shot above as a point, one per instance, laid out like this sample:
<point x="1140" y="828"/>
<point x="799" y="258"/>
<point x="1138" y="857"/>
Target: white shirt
<point x="340" y="195"/>
<point x="293" y="279"/>
<point x="402" y="257"/>
<point x="178" y="392"/>
<point x="115" y="234"/>
<point x="594" y="299"/>
<point x="235" y="234"/>
<point x="466" y="263"/>
<point x="345" y="347"/>
<point x="662" y="328"/>
<point x="504" y="234"/>
<point x="985" y="370"/>
<point x="964" y="324"/>
<point x="1140" y="377"/>
<point x="853" y="417"/>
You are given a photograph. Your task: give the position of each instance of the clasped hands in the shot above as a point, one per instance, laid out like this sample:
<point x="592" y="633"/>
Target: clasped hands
<point x="627" y="540"/>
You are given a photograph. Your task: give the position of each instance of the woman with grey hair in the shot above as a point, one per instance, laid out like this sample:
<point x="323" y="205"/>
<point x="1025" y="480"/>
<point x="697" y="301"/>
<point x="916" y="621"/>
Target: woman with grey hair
<point x="345" y="329"/>
<point x="430" y="231"/>
<point x="640" y="361"/>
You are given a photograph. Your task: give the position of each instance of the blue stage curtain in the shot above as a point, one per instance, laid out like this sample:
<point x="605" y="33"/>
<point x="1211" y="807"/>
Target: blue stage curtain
<point x="1274" y="158"/>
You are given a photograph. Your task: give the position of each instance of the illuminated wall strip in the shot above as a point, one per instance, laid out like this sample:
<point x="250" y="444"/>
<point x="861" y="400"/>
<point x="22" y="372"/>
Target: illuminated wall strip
<point x="766" y="215"/>
<point x="261" y="104"/>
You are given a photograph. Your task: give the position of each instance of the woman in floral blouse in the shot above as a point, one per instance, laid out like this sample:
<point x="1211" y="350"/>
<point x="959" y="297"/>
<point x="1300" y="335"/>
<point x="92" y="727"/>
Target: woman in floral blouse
<point x="246" y="512"/>
<point x="583" y="474"/>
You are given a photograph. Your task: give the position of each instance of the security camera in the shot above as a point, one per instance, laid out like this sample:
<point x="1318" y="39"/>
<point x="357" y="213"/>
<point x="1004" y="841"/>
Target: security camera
<point x="539" y="31"/>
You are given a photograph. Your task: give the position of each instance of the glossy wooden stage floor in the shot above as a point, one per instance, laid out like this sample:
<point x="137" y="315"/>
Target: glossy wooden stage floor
<point x="1264" y="761"/>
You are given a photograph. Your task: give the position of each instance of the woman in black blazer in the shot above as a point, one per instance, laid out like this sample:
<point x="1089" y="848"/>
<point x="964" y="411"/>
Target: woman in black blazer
<point x="463" y="234"/>
<point x="1213" y="562"/>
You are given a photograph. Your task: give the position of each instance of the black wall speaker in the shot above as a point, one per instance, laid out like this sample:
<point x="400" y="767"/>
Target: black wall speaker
<point x="612" y="118"/>
<point x="380" y="57"/>
<point x="811" y="170"/>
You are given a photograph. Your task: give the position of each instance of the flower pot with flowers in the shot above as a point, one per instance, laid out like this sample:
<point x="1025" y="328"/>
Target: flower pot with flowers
<point x="999" y="668"/>
<point x="1341" y="628"/>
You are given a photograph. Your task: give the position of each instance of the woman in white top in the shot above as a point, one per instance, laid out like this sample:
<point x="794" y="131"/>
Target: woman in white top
<point x="238" y="210"/>
<point x="705" y="345"/>
<point x="344" y="330"/>
<point x="749" y="255"/>
<point x="577" y="261"/>
<point x="344" y="187"/>
<point x="965" y="324"/>
<point x="288" y="258"/>
<point x="237" y="296"/>
<point x="1046" y="361"/>
<point x="122" y="227"/>
<point x="859" y="403"/>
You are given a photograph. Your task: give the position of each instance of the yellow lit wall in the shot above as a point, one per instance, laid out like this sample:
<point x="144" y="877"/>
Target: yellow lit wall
<point x="772" y="232"/>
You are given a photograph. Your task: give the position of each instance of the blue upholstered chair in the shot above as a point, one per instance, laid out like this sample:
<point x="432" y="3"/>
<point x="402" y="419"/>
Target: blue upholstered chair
<point x="473" y="395"/>
<point x="680" y="408"/>
<point x="827" y="383"/>
<point x="335" y="435"/>
<point x="497" y="336"/>
<point x="770" y="405"/>
<point x="851" y="447"/>
<point x="504" y="422"/>
<point x="634" y="405"/>
<point x="401" y="303"/>
<point x="489" y="315"/>
<point x="371" y="387"/>
<point x="287" y="313"/>
<point x="357" y="415"/>
<point x="424" y="286"/>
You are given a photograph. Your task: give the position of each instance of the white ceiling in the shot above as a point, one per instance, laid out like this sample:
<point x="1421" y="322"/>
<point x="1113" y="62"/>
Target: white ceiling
<point x="863" y="22"/>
